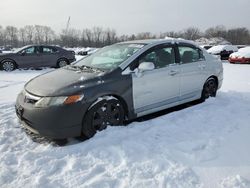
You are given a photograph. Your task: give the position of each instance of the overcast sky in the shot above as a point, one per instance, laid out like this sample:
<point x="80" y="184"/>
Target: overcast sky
<point x="126" y="16"/>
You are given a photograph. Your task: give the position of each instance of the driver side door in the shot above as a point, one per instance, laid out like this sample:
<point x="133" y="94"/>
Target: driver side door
<point x="156" y="89"/>
<point x="29" y="57"/>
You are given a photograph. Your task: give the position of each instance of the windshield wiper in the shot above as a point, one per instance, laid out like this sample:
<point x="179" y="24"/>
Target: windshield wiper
<point x="83" y="67"/>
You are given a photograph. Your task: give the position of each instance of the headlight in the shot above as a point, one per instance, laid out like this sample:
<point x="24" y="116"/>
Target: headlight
<point x="55" y="101"/>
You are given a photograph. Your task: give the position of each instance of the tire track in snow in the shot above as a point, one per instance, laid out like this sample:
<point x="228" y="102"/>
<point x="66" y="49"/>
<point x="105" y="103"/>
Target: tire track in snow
<point x="10" y="83"/>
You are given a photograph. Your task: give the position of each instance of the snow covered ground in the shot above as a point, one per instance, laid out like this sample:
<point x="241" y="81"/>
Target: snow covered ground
<point x="205" y="145"/>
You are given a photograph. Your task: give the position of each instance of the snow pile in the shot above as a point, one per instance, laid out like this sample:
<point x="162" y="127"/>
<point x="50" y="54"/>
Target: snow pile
<point x="212" y="41"/>
<point x="198" y="146"/>
<point x="219" y="48"/>
<point x="243" y="52"/>
<point x="235" y="182"/>
<point x="78" y="50"/>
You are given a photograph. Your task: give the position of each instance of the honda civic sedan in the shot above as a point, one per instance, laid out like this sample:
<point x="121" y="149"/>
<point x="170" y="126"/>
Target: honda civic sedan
<point x="36" y="56"/>
<point x="117" y="83"/>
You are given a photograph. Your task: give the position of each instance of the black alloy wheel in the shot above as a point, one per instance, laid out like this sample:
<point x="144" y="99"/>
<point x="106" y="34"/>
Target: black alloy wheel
<point x="108" y="112"/>
<point x="209" y="89"/>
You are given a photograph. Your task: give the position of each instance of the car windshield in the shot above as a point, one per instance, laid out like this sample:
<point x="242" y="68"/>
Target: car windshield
<point x="110" y="57"/>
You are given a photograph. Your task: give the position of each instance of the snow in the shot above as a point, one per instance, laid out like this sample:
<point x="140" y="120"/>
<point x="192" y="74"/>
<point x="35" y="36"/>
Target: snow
<point x="243" y="52"/>
<point x="212" y="41"/>
<point x="89" y="50"/>
<point x="219" y="48"/>
<point x="204" y="145"/>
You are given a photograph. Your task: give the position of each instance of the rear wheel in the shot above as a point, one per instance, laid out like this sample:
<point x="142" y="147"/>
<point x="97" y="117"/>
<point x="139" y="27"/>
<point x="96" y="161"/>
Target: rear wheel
<point x="102" y="114"/>
<point x="8" y="65"/>
<point x="209" y="89"/>
<point x="62" y="63"/>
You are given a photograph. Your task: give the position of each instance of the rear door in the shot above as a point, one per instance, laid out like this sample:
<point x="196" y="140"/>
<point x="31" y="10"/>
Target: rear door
<point x="159" y="87"/>
<point x="49" y="55"/>
<point x="192" y="68"/>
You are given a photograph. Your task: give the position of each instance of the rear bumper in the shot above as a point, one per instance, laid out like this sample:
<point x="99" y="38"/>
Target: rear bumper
<point x="56" y="122"/>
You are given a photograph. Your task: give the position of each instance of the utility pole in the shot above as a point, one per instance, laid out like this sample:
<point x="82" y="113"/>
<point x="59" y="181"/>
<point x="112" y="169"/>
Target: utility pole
<point x="67" y="26"/>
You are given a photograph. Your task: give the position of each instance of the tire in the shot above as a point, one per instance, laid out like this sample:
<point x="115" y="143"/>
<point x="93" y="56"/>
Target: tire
<point x="62" y="63"/>
<point x="209" y="89"/>
<point x="60" y="142"/>
<point x="100" y="115"/>
<point x="8" y="65"/>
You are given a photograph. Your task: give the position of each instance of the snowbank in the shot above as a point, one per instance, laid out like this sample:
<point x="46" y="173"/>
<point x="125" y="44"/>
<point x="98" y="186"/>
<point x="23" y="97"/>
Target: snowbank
<point x="205" y="145"/>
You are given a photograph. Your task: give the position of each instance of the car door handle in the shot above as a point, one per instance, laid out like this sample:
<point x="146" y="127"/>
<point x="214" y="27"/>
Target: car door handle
<point x="173" y="72"/>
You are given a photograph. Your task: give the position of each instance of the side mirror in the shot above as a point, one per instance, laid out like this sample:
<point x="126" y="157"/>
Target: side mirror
<point x="23" y="53"/>
<point x="146" y="66"/>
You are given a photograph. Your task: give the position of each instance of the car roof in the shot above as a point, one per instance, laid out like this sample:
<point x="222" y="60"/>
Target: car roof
<point x="159" y="41"/>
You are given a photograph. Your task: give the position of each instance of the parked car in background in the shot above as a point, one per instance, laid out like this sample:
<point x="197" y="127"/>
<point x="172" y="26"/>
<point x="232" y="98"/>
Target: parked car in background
<point x="119" y="82"/>
<point x="86" y="51"/>
<point x="36" y="56"/>
<point x="242" y="56"/>
<point x="206" y="47"/>
<point x="1" y="51"/>
<point x="223" y="51"/>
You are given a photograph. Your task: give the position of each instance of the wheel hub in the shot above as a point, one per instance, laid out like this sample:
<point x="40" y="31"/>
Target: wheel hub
<point x="8" y="66"/>
<point x="106" y="115"/>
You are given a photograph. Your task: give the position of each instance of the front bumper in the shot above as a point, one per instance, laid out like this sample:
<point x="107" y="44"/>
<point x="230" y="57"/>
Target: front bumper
<point x="55" y="122"/>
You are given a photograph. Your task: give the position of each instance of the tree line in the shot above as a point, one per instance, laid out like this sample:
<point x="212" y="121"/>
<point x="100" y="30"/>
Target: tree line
<point x="99" y="37"/>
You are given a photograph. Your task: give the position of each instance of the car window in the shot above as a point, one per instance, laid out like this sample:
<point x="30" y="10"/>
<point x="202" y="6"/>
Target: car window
<point x="48" y="50"/>
<point x="161" y="57"/>
<point x="30" y="50"/>
<point x="190" y="54"/>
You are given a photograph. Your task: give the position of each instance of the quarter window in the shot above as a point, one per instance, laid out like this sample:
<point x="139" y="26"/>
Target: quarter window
<point x="190" y="54"/>
<point x="161" y="57"/>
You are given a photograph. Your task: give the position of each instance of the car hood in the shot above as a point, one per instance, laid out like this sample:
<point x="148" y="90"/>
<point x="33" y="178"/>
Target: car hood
<point x="6" y="54"/>
<point x="62" y="82"/>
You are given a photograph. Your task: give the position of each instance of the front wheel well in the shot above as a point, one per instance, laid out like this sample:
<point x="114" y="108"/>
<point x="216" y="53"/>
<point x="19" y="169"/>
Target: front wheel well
<point x="62" y="58"/>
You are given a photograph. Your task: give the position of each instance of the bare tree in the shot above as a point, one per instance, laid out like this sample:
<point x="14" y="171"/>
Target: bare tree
<point x="171" y="34"/>
<point x="22" y="36"/>
<point x="49" y="34"/>
<point x="71" y="37"/>
<point x="2" y="36"/>
<point x="217" y="31"/>
<point x="97" y="32"/>
<point x="192" y="33"/>
<point x="12" y="35"/>
<point x="29" y="33"/>
<point x="238" y="35"/>
<point x="39" y="34"/>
